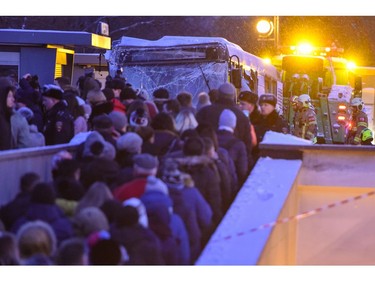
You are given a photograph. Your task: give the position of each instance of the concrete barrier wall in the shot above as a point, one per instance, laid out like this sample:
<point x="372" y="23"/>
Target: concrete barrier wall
<point x="326" y="175"/>
<point x="15" y="163"/>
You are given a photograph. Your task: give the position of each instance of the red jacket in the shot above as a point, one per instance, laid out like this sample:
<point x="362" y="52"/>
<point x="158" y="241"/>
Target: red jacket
<point x="134" y="188"/>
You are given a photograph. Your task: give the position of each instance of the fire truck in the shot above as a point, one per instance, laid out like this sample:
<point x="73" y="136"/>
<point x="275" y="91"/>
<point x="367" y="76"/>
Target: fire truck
<point x="331" y="83"/>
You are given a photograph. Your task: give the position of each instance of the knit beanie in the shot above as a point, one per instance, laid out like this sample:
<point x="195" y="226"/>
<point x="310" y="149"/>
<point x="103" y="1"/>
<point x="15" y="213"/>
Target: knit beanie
<point x="227" y="119"/>
<point x="227" y="90"/>
<point x="119" y="120"/>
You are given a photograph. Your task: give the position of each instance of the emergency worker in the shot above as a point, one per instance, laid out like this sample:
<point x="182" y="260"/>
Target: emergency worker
<point x="366" y="137"/>
<point x="305" y="84"/>
<point x="359" y="121"/>
<point x="306" y="121"/>
<point x="295" y="85"/>
<point x="294" y="110"/>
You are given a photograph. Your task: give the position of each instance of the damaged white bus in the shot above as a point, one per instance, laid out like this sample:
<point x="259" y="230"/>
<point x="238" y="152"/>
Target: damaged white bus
<point x="193" y="64"/>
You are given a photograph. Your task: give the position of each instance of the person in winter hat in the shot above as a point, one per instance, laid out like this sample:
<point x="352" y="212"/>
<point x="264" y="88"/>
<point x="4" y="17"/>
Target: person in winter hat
<point x="119" y="120"/>
<point x="235" y="147"/>
<point x="130" y="142"/>
<point x="89" y="220"/>
<point x="139" y="118"/>
<point x="144" y="165"/>
<point x="249" y="106"/>
<point x="59" y="122"/>
<point x="226" y="100"/>
<point x="203" y="100"/>
<point x="96" y="146"/>
<point x="227" y="120"/>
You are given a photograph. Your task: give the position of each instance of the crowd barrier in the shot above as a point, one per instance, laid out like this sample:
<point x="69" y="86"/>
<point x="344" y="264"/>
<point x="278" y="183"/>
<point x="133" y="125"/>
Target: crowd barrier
<point x="15" y="163"/>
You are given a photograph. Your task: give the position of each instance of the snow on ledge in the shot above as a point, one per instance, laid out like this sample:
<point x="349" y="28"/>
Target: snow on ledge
<point x="272" y="137"/>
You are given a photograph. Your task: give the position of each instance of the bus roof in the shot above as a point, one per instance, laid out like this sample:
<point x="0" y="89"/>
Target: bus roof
<point x="233" y="49"/>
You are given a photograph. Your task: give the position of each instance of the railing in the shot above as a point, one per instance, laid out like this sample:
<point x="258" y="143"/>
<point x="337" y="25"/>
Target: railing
<point x="15" y="163"/>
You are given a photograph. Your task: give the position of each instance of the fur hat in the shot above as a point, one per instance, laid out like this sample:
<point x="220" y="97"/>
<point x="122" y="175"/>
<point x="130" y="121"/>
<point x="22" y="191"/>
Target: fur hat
<point x="89" y="220"/>
<point x="268" y="98"/>
<point x="130" y="142"/>
<point x="227" y="119"/>
<point x="146" y="161"/>
<point x="227" y="90"/>
<point x="52" y="91"/>
<point x="249" y="97"/>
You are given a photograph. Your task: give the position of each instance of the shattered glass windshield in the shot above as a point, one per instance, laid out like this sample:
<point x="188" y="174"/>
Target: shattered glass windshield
<point x="191" y="77"/>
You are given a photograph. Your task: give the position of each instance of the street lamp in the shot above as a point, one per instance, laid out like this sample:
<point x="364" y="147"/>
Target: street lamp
<point x="269" y="30"/>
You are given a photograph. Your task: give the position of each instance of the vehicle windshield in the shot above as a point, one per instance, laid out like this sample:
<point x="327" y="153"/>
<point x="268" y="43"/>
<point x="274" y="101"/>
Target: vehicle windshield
<point x="191" y="77"/>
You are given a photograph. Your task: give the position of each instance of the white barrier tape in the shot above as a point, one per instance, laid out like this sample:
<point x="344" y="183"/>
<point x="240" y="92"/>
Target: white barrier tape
<point x="301" y="215"/>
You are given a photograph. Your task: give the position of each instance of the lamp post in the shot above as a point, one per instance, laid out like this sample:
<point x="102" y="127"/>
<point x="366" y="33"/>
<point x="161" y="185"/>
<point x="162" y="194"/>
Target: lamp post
<point x="269" y="31"/>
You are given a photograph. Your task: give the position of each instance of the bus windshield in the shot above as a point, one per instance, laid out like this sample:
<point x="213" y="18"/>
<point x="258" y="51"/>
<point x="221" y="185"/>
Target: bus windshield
<point x="191" y="77"/>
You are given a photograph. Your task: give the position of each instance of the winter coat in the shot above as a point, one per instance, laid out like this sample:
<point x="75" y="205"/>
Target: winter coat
<point x="15" y="209"/>
<point x="59" y="125"/>
<point x="206" y="178"/>
<point x="159" y="209"/>
<point x="179" y="231"/>
<point x="50" y="214"/>
<point x="237" y="151"/>
<point x="165" y="142"/>
<point x="272" y="122"/>
<point x="210" y="114"/>
<point x="23" y="134"/>
<point x="194" y="210"/>
<point x="99" y="169"/>
<point x="141" y="244"/>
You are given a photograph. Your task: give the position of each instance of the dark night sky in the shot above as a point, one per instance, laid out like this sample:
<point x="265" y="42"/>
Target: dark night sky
<point x="354" y="33"/>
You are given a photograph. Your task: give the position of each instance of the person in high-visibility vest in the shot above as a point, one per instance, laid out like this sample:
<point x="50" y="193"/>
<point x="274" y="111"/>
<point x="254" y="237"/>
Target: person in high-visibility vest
<point x="366" y="137"/>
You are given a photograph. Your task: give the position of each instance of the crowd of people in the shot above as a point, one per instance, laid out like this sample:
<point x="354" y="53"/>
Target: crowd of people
<point x="151" y="178"/>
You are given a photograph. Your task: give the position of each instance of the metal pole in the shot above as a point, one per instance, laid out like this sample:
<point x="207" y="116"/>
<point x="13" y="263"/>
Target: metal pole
<point x="276" y="32"/>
